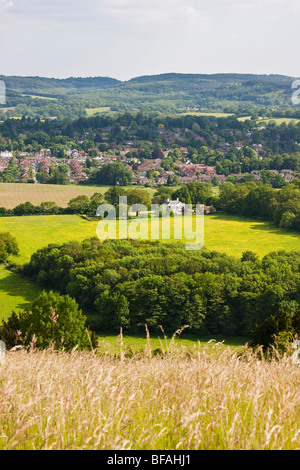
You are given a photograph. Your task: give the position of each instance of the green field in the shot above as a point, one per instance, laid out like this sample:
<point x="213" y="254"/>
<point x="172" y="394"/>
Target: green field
<point x="203" y="113"/>
<point x="12" y="194"/>
<point x="114" y="344"/>
<point x="41" y="97"/>
<point x="93" y="111"/>
<point x="228" y="234"/>
<point x="279" y="120"/>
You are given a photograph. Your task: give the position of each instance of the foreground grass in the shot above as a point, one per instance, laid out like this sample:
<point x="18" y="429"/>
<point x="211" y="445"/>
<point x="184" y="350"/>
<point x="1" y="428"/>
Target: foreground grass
<point x="56" y="401"/>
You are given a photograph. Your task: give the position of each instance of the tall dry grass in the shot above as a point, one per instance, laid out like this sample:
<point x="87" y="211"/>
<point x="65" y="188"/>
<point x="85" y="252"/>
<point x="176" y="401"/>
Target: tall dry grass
<point x="206" y="399"/>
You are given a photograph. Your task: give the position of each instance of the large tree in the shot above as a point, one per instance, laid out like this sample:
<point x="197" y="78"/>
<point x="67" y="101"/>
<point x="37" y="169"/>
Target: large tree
<point x="8" y="246"/>
<point x="54" y="321"/>
<point x="113" y="174"/>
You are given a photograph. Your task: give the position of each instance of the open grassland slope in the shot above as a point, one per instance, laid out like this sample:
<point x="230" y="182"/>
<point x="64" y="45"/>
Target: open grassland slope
<point x="204" y="400"/>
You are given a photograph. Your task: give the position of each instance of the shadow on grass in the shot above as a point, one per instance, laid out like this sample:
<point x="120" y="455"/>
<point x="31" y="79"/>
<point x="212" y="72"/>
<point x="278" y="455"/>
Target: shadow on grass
<point x="16" y="291"/>
<point x="257" y="224"/>
<point x="271" y="228"/>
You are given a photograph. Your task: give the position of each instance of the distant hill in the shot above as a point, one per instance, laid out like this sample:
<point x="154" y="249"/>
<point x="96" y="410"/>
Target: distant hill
<point x="169" y="92"/>
<point x="220" y="77"/>
<point x="40" y="84"/>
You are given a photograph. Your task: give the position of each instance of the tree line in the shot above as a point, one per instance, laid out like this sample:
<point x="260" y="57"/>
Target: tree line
<point x="130" y="283"/>
<point x="251" y="199"/>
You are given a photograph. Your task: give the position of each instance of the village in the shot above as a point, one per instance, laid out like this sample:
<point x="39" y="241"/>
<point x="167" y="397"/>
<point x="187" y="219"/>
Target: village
<point x="144" y="172"/>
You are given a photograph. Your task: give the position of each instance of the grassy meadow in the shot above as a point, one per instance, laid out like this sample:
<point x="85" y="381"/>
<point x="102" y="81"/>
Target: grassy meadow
<point x="16" y="292"/>
<point x="204" y="113"/>
<point x="279" y="121"/>
<point x="227" y="234"/>
<point x="93" y="111"/>
<point x="209" y="399"/>
<point x="126" y="344"/>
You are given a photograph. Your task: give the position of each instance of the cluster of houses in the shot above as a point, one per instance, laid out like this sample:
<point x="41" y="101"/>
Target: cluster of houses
<point x="145" y="172"/>
<point x="286" y="174"/>
<point x="42" y="161"/>
<point x="186" y="173"/>
<point x="189" y="172"/>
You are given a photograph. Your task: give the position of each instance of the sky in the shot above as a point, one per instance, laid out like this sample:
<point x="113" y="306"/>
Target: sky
<point x="128" y="38"/>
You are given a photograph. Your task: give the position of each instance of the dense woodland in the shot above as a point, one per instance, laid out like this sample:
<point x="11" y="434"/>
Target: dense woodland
<point x="133" y="283"/>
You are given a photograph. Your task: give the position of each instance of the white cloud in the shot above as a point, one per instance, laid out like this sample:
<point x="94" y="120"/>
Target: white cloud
<point x="167" y="14"/>
<point x="5" y="4"/>
<point x="138" y="14"/>
<point x="130" y="37"/>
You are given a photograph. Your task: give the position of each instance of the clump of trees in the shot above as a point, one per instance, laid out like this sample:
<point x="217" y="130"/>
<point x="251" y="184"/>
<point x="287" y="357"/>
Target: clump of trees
<point x="53" y="321"/>
<point x="276" y="332"/>
<point x="8" y="246"/>
<point x="131" y="283"/>
<point x="258" y="200"/>
<point x="112" y="174"/>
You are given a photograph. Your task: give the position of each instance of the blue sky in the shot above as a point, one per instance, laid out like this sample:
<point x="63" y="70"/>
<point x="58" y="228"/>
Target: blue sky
<point x="128" y="38"/>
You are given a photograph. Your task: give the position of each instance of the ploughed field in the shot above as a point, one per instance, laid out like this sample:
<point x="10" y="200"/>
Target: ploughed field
<point x="13" y="194"/>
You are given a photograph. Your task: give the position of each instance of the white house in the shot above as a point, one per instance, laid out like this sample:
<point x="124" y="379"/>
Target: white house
<point x="6" y="154"/>
<point x="177" y="207"/>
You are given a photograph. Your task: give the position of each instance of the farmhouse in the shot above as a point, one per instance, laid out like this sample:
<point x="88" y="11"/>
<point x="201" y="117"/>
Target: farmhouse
<point x="177" y="207"/>
<point x="6" y="154"/>
<point x="209" y="209"/>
